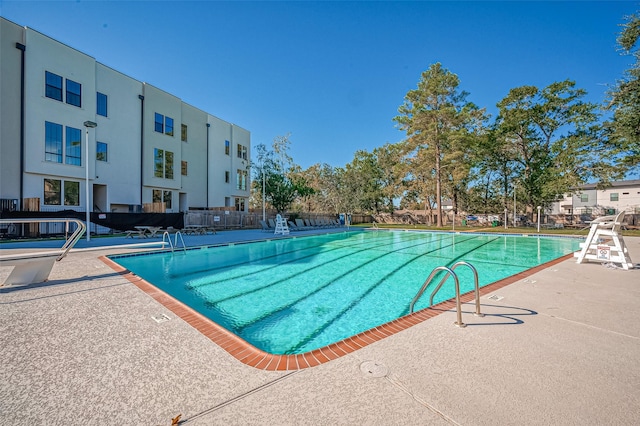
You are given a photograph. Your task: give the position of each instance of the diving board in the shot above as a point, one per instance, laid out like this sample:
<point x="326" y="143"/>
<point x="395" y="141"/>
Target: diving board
<point x="35" y="267"/>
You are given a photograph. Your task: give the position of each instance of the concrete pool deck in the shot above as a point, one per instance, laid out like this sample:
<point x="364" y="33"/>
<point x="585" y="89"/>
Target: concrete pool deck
<point x="561" y="346"/>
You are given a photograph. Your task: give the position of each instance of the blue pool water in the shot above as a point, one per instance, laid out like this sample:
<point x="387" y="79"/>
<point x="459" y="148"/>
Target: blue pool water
<point x="294" y="295"/>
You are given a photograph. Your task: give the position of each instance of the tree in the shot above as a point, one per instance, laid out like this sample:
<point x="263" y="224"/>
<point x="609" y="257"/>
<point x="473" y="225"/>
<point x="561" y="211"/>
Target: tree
<point x="388" y="158"/>
<point x="550" y="140"/>
<point x="275" y="171"/>
<point x="624" y="129"/>
<point x="436" y="117"/>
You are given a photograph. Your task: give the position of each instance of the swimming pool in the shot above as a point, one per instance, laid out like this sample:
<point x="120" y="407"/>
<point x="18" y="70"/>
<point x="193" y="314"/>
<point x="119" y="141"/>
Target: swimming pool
<point x="290" y="296"/>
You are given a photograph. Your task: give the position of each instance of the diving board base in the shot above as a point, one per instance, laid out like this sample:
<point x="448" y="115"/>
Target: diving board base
<point x="29" y="271"/>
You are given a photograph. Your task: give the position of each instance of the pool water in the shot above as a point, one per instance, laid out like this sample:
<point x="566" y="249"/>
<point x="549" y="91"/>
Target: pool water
<point x="288" y="296"/>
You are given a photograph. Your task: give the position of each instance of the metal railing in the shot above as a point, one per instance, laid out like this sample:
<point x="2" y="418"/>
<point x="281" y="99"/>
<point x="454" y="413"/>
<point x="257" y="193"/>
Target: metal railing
<point x="450" y="272"/>
<point x="69" y="243"/>
<point x="166" y="238"/>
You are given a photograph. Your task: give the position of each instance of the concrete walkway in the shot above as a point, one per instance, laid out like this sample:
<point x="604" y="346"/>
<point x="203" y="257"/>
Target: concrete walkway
<point x="561" y="347"/>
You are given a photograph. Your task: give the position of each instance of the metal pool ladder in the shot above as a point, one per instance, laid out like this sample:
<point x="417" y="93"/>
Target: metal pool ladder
<point x="450" y="271"/>
<point x="174" y="244"/>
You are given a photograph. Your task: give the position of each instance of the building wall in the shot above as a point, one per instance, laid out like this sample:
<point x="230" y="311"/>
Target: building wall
<point x="120" y="131"/>
<point x="127" y="172"/>
<point x="10" y="71"/>
<point x="223" y="163"/>
<point x="599" y="201"/>
<point x="194" y="184"/>
<point x="43" y="55"/>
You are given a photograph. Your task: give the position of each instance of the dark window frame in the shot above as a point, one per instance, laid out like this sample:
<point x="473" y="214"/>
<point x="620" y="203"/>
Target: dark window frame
<point x="53" y="144"/>
<point x="52" y="90"/>
<point x="73" y="146"/>
<point x="52" y="195"/>
<point x="102" y="104"/>
<point x="72" y="97"/>
<point x="168" y="126"/>
<point x="159" y="123"/>
<point x="102" y="151"/>
<point x="71" y="193"/>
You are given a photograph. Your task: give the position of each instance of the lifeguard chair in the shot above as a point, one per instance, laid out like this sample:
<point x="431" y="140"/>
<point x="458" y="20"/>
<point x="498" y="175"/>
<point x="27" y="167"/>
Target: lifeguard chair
<point x="604" y="242"/>
<point x="281" y="226"/>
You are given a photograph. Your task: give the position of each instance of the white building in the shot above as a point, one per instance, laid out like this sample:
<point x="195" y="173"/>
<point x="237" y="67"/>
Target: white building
<point x="623" y="195"/>
<point x="148" y="145"/>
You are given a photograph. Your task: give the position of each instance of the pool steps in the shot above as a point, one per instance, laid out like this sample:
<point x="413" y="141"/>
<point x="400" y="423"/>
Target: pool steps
<point x="450" y="272"/>
<point x="166" y="239"/>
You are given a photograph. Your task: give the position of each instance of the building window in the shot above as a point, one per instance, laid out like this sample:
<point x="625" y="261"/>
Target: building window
<point x="52" y="142"/>
<point x="101" y="151"/>
<point x="167" y="199"/>
<point x="163" y="124"/>
<point x="168" y="126"/>
<point x="584" y="198"/>
<point x="168" y="165"/>
<point x="101" y="107"/>
<point x="226" y="147"/>
<point x="73" y="147"/>
<point x="242" y="152"/>
<point x="159" y="123"/>
<point x="241" y="183"/>
<point x="160" y="196"/>
<point x="183" y="168"/>
<point x="226" y="177"/>
<point x="74" y="93"/>
<point x="240" y="204"/>
<point x="183" y="132"/>
<point x="52" y="192"/>
<point x="158" y="163"/>
<point x="613" y="196"/>
<point x="71" y="193"/>
<point x="53" y="86"/>
<point x="162" y="163"/>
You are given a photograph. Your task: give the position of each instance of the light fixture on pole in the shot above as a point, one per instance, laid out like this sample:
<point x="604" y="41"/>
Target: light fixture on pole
<point x="87" y="124"/>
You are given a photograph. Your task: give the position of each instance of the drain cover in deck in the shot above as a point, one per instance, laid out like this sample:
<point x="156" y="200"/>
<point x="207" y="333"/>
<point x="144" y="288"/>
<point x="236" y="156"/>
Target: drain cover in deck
<point x="373" y="369"/>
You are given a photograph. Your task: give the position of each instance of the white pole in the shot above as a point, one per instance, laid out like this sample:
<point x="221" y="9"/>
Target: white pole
<point x="505" y="218"/>
<point x="514" y="205"/>
<point x="86" y="176"/>
<point x="264" y="217"/>
<point x="539" y="218"/>
<point x="87" y="124"/>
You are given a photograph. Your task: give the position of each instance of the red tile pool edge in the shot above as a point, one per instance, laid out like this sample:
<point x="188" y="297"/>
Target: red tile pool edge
<point x="254" y="357"/>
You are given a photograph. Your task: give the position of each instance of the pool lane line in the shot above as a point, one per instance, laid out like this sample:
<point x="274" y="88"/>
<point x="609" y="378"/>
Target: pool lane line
<point x="267" y="268"/>
<point x="257" y="260"/>
<point x="239" y="329"/>
<point x="251" y="356"/>
<point x="309" y="269"/>
<point x="319" y="330"/>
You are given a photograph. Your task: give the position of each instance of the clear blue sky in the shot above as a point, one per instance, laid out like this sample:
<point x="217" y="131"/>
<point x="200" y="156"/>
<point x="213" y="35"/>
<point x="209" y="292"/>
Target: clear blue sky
<point x="333" y="74"/>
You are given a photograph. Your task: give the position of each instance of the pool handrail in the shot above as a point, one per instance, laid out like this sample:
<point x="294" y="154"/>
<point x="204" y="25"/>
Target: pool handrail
<point x="476" y="286"/>
<point x="69" y="243"/>
<point x="175" y="243"/>
<point x="449" y="271"/>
